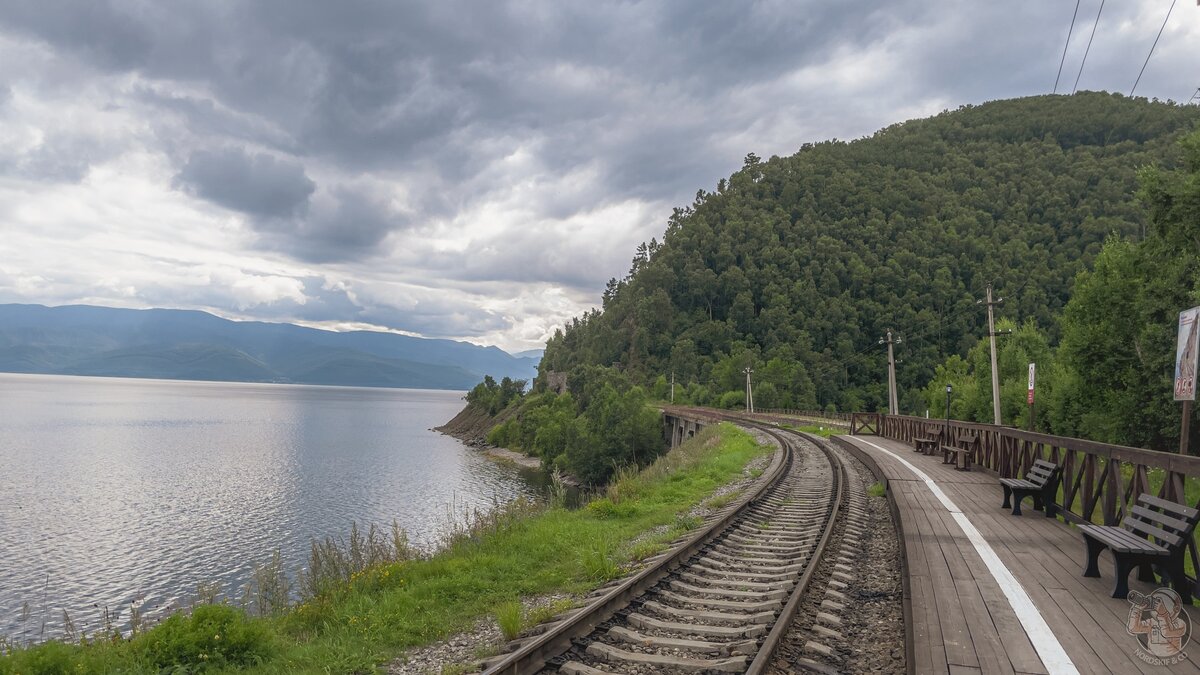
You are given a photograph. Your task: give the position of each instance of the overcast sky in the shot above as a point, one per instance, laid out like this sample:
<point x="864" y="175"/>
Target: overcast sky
<point x="467" y="170"/>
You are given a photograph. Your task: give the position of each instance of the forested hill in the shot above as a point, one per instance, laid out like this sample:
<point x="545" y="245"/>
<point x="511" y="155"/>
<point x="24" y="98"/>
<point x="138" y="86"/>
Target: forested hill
<point x="798" y="265"/>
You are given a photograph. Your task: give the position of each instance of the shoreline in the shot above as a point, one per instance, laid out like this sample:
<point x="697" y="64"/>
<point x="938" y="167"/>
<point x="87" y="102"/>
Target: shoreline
<point x="471" y="426"/>
<point x="518" y="458"/>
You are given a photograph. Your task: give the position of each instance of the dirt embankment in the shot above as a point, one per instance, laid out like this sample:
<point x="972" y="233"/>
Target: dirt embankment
<point x="472" y="424"/>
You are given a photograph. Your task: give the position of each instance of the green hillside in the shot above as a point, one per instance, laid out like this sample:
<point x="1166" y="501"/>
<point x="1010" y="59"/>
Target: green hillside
<point x="798" y="265"/>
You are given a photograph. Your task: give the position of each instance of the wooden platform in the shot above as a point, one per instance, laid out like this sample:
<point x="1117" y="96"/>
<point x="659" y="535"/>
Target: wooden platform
<point x="962" y="620"/>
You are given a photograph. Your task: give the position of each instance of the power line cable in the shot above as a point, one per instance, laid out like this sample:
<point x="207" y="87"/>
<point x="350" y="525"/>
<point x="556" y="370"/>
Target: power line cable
<point x="1064" y="56"/>
<point x="1160" y="32"/>
<point x="1089" y="47"/>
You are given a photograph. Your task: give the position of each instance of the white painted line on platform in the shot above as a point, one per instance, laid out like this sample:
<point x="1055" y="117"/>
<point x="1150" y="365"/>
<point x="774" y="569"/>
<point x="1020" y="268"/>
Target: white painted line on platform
<point x="1049" y="649"/>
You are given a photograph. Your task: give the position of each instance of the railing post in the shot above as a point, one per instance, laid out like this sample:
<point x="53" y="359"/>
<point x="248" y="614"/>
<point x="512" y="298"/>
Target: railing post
<point x="1111" y="490"/>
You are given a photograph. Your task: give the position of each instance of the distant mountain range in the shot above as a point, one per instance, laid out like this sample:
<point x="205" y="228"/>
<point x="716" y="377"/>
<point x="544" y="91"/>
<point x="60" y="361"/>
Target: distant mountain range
<point x="191" y="345"/>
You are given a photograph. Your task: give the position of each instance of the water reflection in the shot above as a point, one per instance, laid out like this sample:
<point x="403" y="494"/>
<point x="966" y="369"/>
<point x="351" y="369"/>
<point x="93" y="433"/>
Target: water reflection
<point x="117" y="490"/>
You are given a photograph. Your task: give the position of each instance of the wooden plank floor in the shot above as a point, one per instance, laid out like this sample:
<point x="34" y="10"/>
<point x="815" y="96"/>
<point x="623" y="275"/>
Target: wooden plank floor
<point x="961" y="620"/>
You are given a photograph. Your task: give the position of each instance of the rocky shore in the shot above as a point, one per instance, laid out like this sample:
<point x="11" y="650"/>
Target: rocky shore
<point x="471" y="426"/>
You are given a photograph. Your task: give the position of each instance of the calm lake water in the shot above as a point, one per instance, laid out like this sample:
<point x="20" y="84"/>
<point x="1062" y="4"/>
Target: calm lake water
<point x="117" y="491"/>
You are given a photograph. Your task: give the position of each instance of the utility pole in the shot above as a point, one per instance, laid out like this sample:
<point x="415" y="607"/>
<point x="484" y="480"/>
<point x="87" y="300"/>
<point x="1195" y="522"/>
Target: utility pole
<point x="749" y="391"/>
<point x="995" y="372"/>
<point x="893" y="399"/>
<point x="672" y="387"/>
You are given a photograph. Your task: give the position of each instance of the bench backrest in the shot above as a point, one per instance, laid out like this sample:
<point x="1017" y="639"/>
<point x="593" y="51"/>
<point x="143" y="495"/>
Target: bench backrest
<point x="1043" y="472"/>
<point x="968" y="441"/>
<point x="1168" y="523"/>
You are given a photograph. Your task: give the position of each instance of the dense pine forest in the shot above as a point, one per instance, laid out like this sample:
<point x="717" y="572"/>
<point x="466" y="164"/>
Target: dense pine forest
<point x="796" y="266"/>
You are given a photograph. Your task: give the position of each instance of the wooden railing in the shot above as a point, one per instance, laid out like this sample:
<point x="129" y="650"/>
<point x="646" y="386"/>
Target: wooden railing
<point x="818" y="414"/>
<point x="1100" y="481"/>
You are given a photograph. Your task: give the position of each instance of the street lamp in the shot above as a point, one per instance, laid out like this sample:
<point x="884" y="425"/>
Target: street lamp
<point x="949" y="391"/>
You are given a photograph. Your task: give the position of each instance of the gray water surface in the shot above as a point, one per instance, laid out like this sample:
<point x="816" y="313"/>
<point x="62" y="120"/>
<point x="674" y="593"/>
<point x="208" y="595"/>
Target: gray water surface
<point x="119" y="491"/>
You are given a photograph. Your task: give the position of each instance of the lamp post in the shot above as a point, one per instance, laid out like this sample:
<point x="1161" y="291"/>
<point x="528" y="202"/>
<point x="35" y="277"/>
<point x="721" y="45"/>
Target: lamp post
<point x="949" y="391"/>
<point x="749" y="391"/>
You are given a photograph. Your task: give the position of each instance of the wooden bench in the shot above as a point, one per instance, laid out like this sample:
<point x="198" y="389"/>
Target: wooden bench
<point x="1041" y="483"/>
<point x="927" y="444"/>
<point x="965" y="448"/>
<point x="1155" y="533"/>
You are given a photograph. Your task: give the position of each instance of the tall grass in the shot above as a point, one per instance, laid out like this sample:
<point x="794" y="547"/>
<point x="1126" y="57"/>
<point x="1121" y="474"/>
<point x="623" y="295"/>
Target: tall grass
<point x="510" y="617"/>
<point x="335" y="563"/>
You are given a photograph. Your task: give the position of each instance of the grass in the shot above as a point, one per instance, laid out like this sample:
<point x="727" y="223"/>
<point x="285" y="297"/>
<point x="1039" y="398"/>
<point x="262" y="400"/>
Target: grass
<point x="378" y="599"/>
<point x="722" y="501"/>
<point x="510" y="617"/>
<point x="544" y="613"/>
<point x="820" y="430"/>
<point x="877" y="490"/>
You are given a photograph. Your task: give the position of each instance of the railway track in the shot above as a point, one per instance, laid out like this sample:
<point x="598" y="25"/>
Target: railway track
<point x="723" y="600"/>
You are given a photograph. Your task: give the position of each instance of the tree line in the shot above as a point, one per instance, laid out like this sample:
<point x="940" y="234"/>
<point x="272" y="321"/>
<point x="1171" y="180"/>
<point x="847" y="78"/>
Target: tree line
<point x="1081" y="210"/>
<point x="796" y="266"/>
<point x="1109" y="377"/>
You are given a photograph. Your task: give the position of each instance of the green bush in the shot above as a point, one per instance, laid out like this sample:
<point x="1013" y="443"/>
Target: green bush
<point x="502" y="435"/>
<point x="732" y="400"/>
<point x="48" y="658"/>
<point x="212" y="636"/>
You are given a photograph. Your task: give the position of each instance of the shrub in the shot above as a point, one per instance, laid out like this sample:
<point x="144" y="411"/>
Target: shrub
<point x="212" y="636"/>
<point x="733" y="400"/>
<point x="48" y="658"/>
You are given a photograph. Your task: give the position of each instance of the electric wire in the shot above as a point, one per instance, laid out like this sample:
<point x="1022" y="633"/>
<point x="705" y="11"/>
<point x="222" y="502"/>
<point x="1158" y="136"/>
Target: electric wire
<point x="1068" y="44"/>
<point x="1089" y="47"/>
<point x="1160" y="32"/>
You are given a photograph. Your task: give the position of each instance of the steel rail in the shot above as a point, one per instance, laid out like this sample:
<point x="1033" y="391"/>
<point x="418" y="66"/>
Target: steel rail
<point x="534" y="655"/>
<point x="766" y="651"/>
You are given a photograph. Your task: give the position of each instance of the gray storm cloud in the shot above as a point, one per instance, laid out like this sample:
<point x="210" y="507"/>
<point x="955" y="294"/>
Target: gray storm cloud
<point x="256" y="184"/>
<point x="501" y="151"/>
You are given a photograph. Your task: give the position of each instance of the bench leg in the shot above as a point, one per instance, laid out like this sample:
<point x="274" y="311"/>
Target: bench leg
<point x="1051" y="508"/>
<point x="1174" y="572"/>
<point x="1007" y="494"/>
<point x="1018" y="497"/>
<point x="1094" y="548"/>
<point x="1124" y="567"/>
<point x="1146" y="573"/>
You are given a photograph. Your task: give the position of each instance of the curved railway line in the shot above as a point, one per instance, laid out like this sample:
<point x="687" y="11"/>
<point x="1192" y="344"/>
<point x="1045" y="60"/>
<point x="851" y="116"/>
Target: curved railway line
<point x="724" y="599"/>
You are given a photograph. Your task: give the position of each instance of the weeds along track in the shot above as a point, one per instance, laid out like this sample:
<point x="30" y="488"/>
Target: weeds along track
<point x="720" y="602"/>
